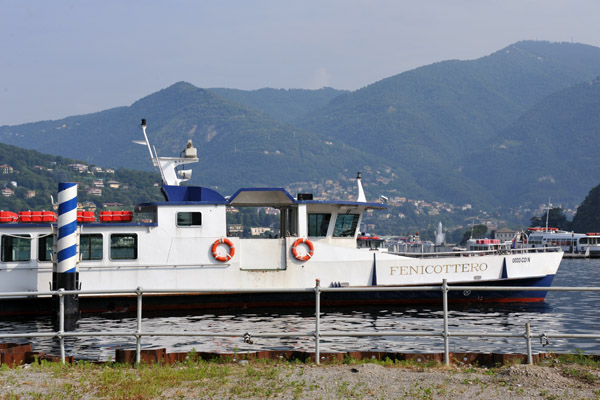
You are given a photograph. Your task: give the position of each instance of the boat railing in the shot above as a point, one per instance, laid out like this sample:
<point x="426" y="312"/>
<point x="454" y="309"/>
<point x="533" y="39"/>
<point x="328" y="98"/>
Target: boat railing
<point x="446" y="333"/>
<point x="473" y="253"/>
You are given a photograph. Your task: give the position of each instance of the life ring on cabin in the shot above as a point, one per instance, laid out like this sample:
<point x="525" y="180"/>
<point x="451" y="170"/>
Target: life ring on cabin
<point x="311" y="249"/>
<point x="229" y="255"/>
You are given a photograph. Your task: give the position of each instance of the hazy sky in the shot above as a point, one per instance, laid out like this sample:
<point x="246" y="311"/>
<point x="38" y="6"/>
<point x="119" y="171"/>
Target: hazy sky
<point x="60" y="58"/>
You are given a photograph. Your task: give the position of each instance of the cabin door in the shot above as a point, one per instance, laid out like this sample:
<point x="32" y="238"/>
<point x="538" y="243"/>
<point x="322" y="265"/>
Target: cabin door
<point x="262" y="254"/>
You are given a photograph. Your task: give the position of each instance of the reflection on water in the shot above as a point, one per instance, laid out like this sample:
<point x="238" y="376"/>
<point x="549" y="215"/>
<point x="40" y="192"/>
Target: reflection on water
<point x="564" y="312"/>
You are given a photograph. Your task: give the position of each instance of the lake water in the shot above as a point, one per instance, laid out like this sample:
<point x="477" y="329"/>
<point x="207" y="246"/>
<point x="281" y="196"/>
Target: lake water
<point x="562" y="312"/>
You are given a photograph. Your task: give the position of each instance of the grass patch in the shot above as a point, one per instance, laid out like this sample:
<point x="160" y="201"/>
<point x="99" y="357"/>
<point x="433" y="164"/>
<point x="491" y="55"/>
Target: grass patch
<point x="388" y="362"/>
<point x="579" y="358"/>
<point x="265" y="378"/>
<point x="580" y="374"/>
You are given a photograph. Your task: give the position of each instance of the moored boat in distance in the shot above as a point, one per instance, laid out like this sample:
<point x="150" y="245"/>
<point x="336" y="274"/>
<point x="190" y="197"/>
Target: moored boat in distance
<point x="573" y="244"/>
<point x="182" y="243"/>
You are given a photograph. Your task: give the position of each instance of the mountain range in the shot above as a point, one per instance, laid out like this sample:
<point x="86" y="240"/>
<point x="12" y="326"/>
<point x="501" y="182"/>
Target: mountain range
<point x="509" y="129"/>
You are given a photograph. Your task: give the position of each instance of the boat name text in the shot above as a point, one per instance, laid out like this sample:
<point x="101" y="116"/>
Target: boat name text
<point x="438" y="269"/>
<point x="521" y="260"/>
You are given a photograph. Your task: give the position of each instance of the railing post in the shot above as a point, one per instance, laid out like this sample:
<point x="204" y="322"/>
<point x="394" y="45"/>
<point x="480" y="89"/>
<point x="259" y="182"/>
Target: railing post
<point x="446" y="333"/>
<point x="61" y="323"/>
<point x="317" y="320"/>
<point x="138" y="337"/>
<point x="528" y="339"/>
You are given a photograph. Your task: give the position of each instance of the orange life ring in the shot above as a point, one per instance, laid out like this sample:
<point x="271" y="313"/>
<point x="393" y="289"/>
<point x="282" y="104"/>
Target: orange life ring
<point x="229" y="255"/>
<point x="311" y="249"/>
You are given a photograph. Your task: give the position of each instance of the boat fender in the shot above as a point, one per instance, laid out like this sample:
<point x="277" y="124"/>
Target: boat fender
<point x="311" y="249"/>
<point x="229" y="255"/>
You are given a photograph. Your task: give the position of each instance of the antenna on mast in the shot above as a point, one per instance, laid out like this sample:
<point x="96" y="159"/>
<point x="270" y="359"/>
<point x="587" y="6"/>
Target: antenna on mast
<point x="548" y="213"/>
<point x="168" y="165"/>
<point x="361" y="192"/>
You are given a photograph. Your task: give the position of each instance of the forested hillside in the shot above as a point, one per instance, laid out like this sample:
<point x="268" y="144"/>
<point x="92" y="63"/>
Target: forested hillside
<point x="550" y="152"/>
<point x="29" y="179"/>
<point x="237" y="146"/>
<point x="427" y="119"/>
<point x="283" y="105"/>
<point x="587" y="218"/>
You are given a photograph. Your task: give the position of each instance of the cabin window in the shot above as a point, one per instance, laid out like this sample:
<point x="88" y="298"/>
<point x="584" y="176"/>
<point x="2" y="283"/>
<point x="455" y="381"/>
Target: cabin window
<point x="318" y="224"/>
<point x="345" y="225"/>
<point x="123" y="246"/>
<point x="90" y="247"/>
<point x="189" y="218"/>
<point x="16" y="248"/>
<point x="45" y="244"/>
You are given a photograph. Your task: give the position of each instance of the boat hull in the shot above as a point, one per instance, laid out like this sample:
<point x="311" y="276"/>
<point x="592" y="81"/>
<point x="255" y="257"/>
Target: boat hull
<point x="206" y="301"/>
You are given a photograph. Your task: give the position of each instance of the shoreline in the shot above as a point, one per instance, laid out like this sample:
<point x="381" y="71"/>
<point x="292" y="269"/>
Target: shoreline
<point x="14" y="354"/>
<point x="573" y="376"/>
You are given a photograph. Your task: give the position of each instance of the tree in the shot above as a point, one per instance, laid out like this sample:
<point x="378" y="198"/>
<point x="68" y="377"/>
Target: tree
<point x="587" y="218"/>
<point x="477" y="232"/>
<point x="556" y="219"/>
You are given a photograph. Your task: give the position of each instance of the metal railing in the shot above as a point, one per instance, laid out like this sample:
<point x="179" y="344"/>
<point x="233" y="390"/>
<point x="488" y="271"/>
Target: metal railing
<point x="394" y="249"/>
<point x="445" y="334"/>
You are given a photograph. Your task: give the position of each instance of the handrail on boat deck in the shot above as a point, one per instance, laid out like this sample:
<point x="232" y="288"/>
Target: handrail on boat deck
<point x="61" y="334"/>
<point x="472" y="253"/>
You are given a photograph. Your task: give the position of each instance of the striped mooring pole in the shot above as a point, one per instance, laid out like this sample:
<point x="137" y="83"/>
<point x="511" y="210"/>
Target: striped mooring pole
<point x="65" y="274"/>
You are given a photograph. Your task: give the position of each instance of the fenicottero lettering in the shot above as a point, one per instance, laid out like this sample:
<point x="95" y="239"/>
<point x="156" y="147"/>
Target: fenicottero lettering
<point x="438" y="269"/>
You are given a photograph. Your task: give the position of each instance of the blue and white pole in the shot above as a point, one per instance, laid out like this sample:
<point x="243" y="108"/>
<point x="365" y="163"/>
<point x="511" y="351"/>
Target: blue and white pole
<point x="66" y="274"/>
<point x="66" y="246"/>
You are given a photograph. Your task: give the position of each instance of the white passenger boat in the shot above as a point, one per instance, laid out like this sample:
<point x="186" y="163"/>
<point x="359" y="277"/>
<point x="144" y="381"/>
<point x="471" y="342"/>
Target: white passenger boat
<point x="183" y="244"/>
<point x="582" y="244"/>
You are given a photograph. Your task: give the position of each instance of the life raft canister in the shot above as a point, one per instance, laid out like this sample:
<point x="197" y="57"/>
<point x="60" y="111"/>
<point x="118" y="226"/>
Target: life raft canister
<point x="311" y="249"/>
<point x="229" y="255"/>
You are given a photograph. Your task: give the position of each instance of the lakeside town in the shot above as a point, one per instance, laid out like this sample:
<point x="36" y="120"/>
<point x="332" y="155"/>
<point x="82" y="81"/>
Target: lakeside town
<point x="403" y="216"/>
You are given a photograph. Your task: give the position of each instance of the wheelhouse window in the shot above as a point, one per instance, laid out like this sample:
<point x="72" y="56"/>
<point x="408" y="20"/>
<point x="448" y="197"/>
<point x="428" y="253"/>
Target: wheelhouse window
<point x="45" y="244"/>
<point x="90" y="247"/>
<point x="123" y="246"/>
<point x="16" y="248"/>
<point x="189" y="218"/>
<point x="345" y="225"/>
<point x="318" y="224"/>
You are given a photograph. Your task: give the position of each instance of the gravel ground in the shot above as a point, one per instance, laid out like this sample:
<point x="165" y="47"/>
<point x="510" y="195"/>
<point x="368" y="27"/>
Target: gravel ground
<point x="303" y="381"/>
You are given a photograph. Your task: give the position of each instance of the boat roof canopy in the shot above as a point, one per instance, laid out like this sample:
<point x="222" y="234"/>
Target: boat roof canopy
<point x="245" y="197"/>
<point x="174" y="193"/>
<point x="261" y="197"/>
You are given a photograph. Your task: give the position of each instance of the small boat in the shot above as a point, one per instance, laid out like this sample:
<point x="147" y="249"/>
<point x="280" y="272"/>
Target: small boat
<point x="182" y="243"/>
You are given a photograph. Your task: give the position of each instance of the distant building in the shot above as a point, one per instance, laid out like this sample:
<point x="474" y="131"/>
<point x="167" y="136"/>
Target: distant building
<point x="113" y="184"/>
<point x="7" y="192"/>
<point x="109" y="171"/>
<point x="30" y="194"/>
<point x="259" y="230"/>
<point x="505" y="234"/>
<point x="6" y="169"/>
<point x="78" y="167"/>
<point x="94" y="191"/>
<point x="235" y="230"/>
<point x="110" y="205"/>
<point x="88" y="205"/>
